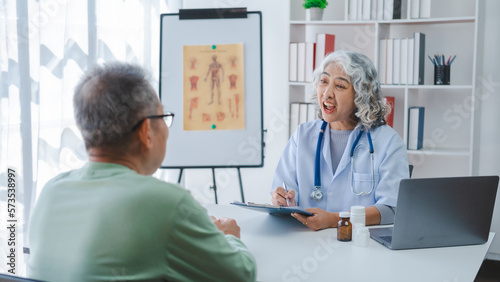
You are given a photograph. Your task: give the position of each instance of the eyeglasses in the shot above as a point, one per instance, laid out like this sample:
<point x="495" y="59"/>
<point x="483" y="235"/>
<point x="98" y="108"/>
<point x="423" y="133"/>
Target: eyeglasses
<point x="168" y="117"/>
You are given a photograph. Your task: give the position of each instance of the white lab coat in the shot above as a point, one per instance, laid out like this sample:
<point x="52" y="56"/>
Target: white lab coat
<point x="296" y="168"/>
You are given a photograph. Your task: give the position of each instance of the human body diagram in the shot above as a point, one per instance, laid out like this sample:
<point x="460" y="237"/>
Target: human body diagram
<point x="213" y="87"/>
<point x="216" y="72"/>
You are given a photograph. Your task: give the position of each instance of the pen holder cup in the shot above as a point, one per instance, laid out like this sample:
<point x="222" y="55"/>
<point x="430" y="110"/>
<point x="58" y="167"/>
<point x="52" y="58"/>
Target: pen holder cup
<point x="442" y="75"/>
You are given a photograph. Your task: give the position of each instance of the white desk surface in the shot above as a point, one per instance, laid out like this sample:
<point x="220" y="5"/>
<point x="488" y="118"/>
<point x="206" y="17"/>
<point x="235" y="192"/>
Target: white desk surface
<point x="286" y="250"/>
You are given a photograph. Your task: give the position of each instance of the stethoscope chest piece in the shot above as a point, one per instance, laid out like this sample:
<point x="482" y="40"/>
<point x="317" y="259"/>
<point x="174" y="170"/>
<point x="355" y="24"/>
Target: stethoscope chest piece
<point x="316" y="194"/>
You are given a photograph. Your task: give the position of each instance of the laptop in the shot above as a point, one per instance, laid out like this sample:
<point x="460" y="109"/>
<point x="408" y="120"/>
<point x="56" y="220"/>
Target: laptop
<point x="440" y="212"/>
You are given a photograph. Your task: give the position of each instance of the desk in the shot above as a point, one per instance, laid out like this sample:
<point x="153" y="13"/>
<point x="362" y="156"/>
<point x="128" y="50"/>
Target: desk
<point x="286" y="250"/>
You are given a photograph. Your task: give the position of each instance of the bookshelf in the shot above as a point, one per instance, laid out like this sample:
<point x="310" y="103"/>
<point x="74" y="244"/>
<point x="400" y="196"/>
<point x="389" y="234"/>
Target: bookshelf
<point x="451" y="117"/>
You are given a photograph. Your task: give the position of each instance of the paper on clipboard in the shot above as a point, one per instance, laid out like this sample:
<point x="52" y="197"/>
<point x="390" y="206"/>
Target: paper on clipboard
<point x="272" y="209"/>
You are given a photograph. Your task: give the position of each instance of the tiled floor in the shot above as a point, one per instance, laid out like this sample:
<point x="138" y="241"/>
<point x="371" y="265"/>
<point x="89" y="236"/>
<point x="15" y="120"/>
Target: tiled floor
<point x="489" y="271"/>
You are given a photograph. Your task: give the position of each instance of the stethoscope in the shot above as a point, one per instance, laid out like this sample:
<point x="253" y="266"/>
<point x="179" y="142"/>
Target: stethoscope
<point x="316" y="194"/>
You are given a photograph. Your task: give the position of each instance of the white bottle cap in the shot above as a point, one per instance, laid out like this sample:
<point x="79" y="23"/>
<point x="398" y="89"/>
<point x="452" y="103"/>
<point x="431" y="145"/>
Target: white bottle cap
<point x="362" y="230"/>
<point x="362" y="237"/>
<point x="358" y="210"/>
<point x="344" y="214"/>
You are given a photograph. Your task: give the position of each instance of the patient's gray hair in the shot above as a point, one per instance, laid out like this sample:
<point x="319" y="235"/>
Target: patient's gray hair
<point x="371" y="106"/>
<point x="109" y="100"/>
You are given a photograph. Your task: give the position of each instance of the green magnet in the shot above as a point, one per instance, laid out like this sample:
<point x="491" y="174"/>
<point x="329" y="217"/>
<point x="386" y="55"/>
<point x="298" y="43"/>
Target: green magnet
<point x="213" y="126"/>
<point x="213" y="47"/>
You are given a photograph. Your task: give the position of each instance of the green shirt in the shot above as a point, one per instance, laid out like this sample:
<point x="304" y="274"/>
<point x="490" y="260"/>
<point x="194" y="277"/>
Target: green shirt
<point x="106" y="222"/>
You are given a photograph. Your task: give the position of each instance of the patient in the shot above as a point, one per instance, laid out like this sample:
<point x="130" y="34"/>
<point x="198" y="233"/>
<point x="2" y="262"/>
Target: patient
<point x="111" y="220"/>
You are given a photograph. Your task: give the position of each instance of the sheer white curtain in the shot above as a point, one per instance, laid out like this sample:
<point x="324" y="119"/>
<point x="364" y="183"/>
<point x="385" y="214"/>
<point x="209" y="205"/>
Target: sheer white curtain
<point x="45" y="46"/>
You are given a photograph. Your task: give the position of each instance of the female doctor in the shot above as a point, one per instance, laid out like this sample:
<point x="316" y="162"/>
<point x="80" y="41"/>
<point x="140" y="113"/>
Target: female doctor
<point x="350" y="157"/>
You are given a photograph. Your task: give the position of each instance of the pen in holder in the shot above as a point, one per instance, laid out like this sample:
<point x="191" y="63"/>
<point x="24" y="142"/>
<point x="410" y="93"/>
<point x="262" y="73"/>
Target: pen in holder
<point x="442" y="75"/>
<point x="442" y="69"/>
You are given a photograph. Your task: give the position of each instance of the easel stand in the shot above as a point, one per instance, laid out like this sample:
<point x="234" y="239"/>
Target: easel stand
<point x="239" y="147"/>
<point x="214" y="187"/>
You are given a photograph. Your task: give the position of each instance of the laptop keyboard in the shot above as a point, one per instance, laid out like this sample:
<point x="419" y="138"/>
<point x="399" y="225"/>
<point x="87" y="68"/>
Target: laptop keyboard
<point x="387" y="239"/>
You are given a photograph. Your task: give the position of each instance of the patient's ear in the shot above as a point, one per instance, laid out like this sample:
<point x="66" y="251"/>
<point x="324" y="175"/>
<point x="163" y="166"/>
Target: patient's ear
<point x="145" y="133"/>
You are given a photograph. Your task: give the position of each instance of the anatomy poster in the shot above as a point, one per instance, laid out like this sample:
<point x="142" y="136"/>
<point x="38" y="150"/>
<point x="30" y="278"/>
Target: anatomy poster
<point x="214" y="97"/>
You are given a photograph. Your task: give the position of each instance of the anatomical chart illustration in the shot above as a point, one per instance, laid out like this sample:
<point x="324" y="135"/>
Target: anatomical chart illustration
<point x="214" y="97"/>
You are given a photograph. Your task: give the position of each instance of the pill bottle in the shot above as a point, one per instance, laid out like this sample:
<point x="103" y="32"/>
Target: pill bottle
<point x="358" y="215"/>
<point x="362" y="237"/>
<point x="344" y="227"/>
<point x="357" y="218"/>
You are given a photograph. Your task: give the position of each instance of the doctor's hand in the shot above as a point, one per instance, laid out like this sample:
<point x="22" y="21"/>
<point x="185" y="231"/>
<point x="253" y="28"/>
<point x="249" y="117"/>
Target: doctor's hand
<point x="320" y="220"/>
<point x="279" y="197"/>
<point x="227" y="225"/>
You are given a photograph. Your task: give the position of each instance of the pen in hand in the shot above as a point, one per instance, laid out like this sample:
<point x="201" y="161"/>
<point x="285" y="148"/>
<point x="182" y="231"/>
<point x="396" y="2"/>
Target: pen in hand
<point x="286" y="190"/>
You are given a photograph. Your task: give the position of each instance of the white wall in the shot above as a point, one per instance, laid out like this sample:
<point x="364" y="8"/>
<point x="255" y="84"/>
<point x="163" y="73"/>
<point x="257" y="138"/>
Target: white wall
<point x="489" y="156"/>
<point x="256" y="181"/>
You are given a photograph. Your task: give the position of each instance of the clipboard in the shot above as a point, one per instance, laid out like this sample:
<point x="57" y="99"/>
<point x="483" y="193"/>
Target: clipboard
<point x="272" y="209"/>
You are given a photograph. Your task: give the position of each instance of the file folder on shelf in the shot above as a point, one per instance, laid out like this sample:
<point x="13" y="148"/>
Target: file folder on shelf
<point x="415" y="128"/>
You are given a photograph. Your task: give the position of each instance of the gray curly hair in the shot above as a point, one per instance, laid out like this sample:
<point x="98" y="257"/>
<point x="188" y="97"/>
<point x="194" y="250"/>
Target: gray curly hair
<point x="109" y="100"/>
<point x="371" y="107"/>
